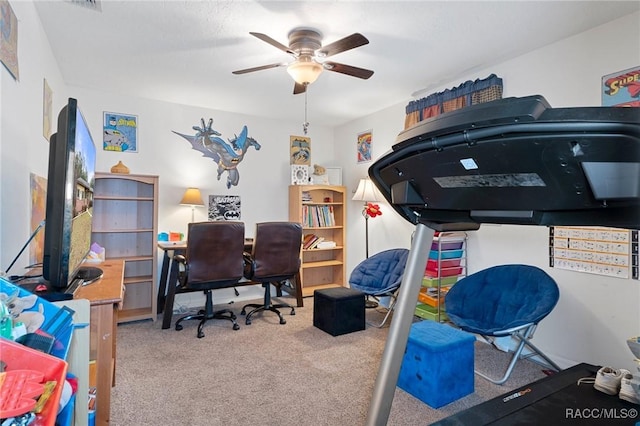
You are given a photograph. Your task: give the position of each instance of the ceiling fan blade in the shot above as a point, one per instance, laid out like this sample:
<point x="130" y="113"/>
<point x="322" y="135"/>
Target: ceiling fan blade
<point x="347" y="43"/>
<point x="260" y="68"/>
<point x="348" y="70"/>
<point x="299" y="88"/>
<point x="272" y="42"/>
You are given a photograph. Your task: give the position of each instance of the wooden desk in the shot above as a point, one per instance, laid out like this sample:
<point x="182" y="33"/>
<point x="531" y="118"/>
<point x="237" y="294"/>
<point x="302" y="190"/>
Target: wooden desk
<point x="105" y="298"/>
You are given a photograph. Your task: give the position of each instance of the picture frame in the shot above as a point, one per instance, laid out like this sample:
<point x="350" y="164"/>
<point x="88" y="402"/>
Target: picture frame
<point x="120" y="132"/>
<point x="335" y="175"/>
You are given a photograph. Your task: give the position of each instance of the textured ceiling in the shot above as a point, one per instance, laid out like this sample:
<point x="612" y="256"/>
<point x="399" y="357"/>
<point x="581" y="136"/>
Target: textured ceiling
<point x="184" y="51"/>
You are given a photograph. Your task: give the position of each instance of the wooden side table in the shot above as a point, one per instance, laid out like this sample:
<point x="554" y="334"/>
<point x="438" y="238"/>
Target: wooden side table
<point x="105" y="297"/>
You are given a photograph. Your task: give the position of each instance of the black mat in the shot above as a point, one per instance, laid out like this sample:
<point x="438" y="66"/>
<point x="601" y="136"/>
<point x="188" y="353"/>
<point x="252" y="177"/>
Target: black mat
<point x="553" y="400"/>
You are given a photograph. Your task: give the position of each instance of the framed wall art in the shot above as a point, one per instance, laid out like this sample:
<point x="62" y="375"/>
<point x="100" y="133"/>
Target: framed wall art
<point x="120" y="132"/>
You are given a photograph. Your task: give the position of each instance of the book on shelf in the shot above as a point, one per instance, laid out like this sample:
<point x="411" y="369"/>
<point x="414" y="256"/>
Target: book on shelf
<point x="318" y="216"/>
<point x="315" y="243"/>
<point x="326" y="245"/>
<point x="308" y="240"/>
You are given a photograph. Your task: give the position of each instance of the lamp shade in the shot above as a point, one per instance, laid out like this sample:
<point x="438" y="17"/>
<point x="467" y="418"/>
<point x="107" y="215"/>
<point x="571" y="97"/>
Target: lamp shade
<point x="192" y="197"/>
<point x="304" y="70"/>
<point x="366" y="191"/>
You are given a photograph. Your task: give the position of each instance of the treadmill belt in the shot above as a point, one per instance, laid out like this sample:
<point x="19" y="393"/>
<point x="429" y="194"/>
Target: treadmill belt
<point x="553" y="400"/>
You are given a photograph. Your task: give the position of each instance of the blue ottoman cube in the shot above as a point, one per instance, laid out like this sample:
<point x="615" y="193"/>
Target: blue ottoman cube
<point x="437" y="367"/>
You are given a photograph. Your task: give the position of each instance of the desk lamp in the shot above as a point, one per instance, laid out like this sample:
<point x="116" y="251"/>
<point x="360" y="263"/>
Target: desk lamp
<point x="192" y="198"/>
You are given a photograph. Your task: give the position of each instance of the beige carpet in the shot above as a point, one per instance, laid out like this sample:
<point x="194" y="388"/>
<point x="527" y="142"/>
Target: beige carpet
<point x="270" y="374"/>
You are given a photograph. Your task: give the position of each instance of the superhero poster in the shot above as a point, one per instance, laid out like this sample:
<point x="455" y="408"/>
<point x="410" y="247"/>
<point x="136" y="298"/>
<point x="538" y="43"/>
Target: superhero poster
<point x="622" y="88"/>
<point x="224" y="207"/>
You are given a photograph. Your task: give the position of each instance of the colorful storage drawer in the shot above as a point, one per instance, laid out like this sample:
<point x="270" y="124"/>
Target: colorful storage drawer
<point x="450" y="254"/>
<point x="430" y="298"/>
<point x="444" y="264"/>
<point x="446" y="245"/>
<point x="443" y="281"/>
<point x="444" y="272"/>
<point x="429" y="312"/>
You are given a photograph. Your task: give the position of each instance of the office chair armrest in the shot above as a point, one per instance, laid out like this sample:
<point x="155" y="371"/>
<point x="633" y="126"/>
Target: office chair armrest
<point x="249" y="266"/>
<point x="182" y="272"/>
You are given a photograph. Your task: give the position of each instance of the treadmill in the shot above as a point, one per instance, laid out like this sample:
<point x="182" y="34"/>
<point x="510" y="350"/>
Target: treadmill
<point x="511" y="161"/>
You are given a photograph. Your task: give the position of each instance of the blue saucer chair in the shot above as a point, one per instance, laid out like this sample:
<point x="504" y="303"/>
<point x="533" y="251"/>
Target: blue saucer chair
<point x="506" y="300"/>
<point x="380" y="276"/>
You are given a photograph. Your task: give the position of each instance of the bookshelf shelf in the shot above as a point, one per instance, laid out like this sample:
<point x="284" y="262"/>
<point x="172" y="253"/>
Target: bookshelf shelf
<point x="321" y="211"/>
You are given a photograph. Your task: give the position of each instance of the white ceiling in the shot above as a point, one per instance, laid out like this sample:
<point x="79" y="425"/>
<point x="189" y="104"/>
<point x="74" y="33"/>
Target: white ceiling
<point x="184" y="51"/>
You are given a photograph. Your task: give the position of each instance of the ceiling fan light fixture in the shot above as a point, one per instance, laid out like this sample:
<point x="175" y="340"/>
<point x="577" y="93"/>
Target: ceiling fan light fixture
<point x="304" y="70"/>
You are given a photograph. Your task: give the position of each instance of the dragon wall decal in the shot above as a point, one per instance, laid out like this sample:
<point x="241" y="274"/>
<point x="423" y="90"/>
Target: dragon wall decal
<point x="227" y="155"/>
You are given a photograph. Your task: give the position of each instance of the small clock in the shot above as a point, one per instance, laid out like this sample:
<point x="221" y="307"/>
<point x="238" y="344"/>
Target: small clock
<point x="299" y="175"/>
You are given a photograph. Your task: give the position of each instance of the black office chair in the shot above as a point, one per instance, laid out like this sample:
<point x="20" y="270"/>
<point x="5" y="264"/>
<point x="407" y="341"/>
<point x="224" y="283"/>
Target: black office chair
<point x="275" y="259"/>
<point x="214" y="260"/>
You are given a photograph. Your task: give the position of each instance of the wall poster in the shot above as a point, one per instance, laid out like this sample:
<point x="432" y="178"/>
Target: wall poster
<point x="300" y="150"/>
<point x="364" y="146"/>
<point x="622" y="88"/>
<point x="47" y="111"/>
<point x="595" y="250"/>
<point x="120" y="132"/>
<point x="9" y="39"/>
<point x="224" y="207"/>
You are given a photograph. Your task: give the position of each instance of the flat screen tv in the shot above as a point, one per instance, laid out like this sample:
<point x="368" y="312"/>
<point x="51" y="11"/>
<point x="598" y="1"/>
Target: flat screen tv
<point x="69" y="208"/>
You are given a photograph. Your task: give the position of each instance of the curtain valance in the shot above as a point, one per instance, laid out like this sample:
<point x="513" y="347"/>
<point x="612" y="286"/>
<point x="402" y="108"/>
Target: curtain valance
<point x="468" y="93"/>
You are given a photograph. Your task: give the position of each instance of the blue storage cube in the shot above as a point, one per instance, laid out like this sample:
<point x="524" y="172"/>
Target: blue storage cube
<point x="437" y="367"/>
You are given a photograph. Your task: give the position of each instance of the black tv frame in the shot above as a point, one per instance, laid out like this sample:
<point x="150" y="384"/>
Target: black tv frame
<point x="57" y="271"/>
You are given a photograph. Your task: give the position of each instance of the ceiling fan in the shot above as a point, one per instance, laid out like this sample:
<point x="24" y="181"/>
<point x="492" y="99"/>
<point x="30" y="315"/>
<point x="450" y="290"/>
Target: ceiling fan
<point x="305" y="45"/>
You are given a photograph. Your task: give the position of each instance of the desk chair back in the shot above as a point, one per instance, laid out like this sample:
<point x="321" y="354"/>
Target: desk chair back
<point x="276" y="251"/>
<point x="214" y="260"/>
<point x="214" y="254"/>
<point x="275" y="259"/>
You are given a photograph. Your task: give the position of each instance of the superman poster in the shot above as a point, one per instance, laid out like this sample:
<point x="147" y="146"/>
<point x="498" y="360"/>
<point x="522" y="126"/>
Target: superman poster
<point x="224" y="207"/>
<point x="622" y="88"/>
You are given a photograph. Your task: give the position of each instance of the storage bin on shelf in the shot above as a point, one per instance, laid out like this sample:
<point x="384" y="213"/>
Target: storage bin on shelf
<point x="19" y="357"/>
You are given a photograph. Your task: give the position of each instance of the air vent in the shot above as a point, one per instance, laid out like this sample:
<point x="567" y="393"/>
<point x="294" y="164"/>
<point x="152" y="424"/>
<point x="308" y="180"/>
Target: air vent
<point x="89" y="4"/>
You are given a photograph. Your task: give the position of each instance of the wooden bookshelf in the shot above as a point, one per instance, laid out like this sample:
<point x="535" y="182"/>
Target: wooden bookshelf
<point x="321" y="211"/>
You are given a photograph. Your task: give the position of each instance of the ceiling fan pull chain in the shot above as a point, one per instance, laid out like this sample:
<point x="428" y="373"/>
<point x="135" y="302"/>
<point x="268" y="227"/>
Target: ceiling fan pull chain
<point x="305" y="125"/>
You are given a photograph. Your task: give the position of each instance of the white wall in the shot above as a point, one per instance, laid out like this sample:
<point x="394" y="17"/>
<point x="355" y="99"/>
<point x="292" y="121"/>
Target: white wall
<point x="595" y="314"/>
<point x="23" y="148"/>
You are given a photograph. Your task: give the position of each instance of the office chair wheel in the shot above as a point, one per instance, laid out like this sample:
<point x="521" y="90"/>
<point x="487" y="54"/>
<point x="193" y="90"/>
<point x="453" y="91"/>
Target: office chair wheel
<point x="282" y="321"/>
<point x="248" y="321"/>
<point x="178" y="327"/>
<point x="236" y="327"/>
<point x="200" y="334"/>
<point x="293" y="311"/>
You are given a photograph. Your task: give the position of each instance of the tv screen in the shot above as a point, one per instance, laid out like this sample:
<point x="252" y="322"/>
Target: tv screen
<point x="69" y="208"/>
